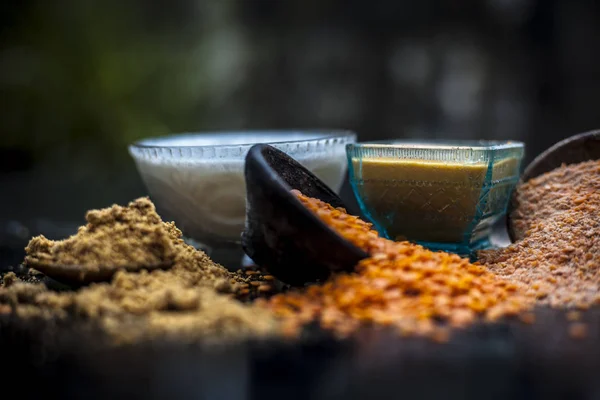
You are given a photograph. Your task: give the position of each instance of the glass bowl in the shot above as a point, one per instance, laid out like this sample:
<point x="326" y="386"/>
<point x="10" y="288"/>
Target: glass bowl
<point x="444" y="195"/>
<point x="197" y="179"/>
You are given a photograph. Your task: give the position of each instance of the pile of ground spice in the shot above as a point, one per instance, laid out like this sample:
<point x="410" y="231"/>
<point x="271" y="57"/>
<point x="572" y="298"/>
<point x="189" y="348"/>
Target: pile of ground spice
<point x="558" y="221"/>
<point x="190" y="301"/>
<point x="136" y="236"/>
<point x="401" y="285"/>
<point x="145" y="306"/>
<point x="115" y="237"/>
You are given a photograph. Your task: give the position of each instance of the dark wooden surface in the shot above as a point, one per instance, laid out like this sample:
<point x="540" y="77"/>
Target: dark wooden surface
<point x="508" y="360"/>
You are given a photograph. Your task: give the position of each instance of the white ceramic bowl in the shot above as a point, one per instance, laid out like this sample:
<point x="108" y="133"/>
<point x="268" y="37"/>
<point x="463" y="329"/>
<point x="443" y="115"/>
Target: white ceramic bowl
<point x="197" y="180"/>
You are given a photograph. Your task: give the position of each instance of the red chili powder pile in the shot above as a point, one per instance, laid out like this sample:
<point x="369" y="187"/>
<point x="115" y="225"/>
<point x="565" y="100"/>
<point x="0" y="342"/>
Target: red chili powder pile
<point x="401" y="284"/>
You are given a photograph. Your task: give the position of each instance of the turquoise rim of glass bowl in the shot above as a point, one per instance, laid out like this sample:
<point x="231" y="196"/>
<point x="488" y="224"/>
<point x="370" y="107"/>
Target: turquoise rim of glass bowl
<point x="438" y="150"/>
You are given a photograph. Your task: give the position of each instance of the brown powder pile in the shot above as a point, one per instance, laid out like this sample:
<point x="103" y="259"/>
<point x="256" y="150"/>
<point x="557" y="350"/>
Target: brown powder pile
<point x="160" y="304"/>
<point x="134" y="235"/>
<point x="558" y="219"/>
<point x="191" y="301"/>
<point x="144" y="306"/>
<point x="401" y="285"/>
<point x="115" y="237"/>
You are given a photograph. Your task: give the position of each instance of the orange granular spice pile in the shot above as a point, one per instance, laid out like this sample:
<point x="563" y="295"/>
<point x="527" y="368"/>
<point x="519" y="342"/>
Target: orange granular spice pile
<point x="401" y="284"/>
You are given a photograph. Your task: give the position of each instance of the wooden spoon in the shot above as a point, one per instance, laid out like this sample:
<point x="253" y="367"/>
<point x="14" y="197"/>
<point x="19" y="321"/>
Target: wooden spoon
<point x="281" y="234"/>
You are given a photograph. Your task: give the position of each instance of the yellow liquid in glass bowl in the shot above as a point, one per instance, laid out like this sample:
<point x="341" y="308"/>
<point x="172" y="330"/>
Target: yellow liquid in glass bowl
<point x="432" y="201"/>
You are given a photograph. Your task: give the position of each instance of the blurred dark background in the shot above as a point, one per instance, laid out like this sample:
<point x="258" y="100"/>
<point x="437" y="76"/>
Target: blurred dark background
<point x="81" y="79"/>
